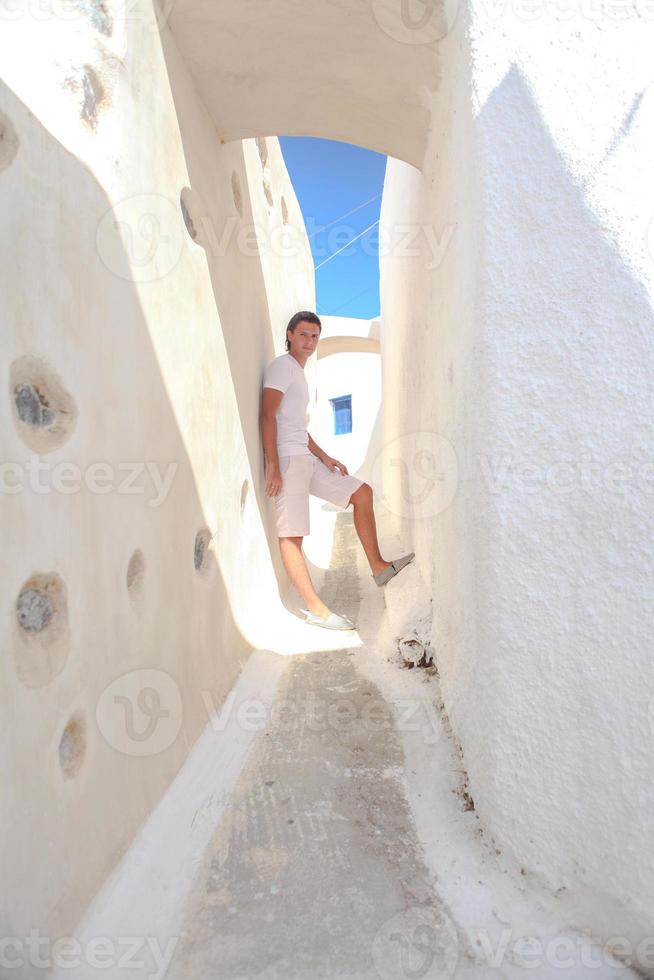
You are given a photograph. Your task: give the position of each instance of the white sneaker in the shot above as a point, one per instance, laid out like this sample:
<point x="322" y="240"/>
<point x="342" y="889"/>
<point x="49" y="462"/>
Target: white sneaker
<point x="392" y="570"/>
<point x="331" y="622"/>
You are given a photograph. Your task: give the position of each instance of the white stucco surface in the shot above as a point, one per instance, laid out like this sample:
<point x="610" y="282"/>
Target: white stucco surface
<point x="151" y="346"/>
<point x="321" y="827"/>
<point x="152" y="252"/>
<point x="521" y="364"/>
<point x="344" y="369"/>
<point x="324" y="55"/>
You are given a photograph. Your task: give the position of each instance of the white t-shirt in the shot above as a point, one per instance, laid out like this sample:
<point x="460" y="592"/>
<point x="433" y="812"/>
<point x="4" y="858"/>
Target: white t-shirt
<point x="285" y="374"/>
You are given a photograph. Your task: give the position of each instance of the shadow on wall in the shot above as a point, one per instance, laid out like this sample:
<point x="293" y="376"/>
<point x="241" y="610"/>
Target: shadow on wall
<point x="555" y="363"/>
<point x="219" y="206"/>
<point x="369" y="470"/>
<point x="104" y="591"/>
<point x="572" y="342"/>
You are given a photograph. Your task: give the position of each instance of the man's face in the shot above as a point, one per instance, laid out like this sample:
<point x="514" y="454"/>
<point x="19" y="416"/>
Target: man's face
<point x="304" y="339"/>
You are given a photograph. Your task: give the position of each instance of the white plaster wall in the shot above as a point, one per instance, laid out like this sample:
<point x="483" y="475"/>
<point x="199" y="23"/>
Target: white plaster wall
<point x="279" y="238"/>
<point x="347" y="373"/>
<point x="524" y="351"/>
<point x="516" y="325"/>
<point x="359" y="375"/>
<point x="160" y="342"/>
<point x="334" y="69"/>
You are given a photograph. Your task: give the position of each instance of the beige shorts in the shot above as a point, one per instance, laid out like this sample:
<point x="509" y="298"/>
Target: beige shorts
<point x="302" y="475"/>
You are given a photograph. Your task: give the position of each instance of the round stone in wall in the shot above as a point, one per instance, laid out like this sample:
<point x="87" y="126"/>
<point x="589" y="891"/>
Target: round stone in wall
<point x="72" y="746"/>
<point x="99" y="14"/>
<point x="188" y="220"/>
<point x="34" y="610"/>
<point x="236" y="193"/>
<point x="245" y="487"/>
<point x="192" y="212"/>
<point x="94" y="96"/>
<point x="135" y="577"/>
<point x="203" y="552"/>
<point x="8" y="142"/>
<point x="262" y="147"/>
<point x="41" y="629"/>
<point x="44" y="412"/>
<point x="93" y="86"/>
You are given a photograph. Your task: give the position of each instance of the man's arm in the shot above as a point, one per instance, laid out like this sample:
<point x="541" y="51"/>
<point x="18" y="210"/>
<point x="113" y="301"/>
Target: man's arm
<point x="268" y="421"/>
<point x="325" y="458"/>
<point x="317" y="451"/>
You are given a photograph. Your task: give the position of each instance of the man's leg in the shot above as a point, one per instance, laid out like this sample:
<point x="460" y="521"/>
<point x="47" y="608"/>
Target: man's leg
<point x="296" y="567"/>
<point x="366" y="528"/>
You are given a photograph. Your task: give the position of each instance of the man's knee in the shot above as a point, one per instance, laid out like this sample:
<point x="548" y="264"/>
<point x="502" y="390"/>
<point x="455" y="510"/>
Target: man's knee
<point x="363" y="495"/>
<point x="288" y="537"/>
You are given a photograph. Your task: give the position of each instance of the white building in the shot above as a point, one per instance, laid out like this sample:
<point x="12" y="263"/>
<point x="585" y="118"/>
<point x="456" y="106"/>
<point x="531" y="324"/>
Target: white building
<point x="516" y="372"/>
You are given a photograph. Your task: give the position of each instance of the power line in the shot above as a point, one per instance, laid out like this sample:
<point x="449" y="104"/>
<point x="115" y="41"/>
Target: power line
<point x="347" y="245"/>
<point x="346" y="215"/>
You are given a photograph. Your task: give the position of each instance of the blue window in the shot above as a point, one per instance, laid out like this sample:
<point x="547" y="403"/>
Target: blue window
<point x="342" y="408"/>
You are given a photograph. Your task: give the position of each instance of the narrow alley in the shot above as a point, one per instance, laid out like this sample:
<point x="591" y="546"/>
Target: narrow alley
<point x="339" y="842"/>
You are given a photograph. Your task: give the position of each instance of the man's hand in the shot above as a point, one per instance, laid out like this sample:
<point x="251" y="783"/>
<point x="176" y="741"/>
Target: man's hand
<point x="330" y="463"/>
<point x="273" y="480"/>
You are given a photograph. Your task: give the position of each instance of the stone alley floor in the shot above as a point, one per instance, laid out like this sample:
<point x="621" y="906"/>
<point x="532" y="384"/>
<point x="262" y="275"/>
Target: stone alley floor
<point x="336" y="839"/>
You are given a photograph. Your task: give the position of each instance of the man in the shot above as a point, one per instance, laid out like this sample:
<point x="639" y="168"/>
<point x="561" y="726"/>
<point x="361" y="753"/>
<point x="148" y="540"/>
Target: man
<point x="297" y="467"/>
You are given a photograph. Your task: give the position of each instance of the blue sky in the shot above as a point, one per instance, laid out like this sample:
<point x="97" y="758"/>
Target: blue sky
<point x="331" y="180"/>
